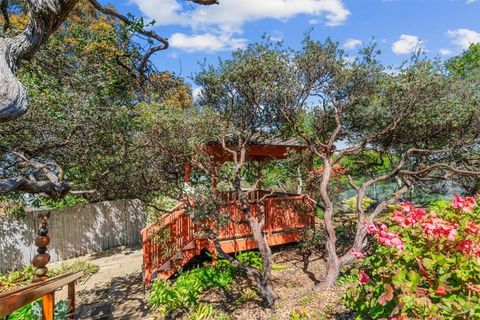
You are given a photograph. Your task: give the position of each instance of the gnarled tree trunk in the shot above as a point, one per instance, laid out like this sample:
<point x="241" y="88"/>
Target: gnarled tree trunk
<point x="44" y="18"/>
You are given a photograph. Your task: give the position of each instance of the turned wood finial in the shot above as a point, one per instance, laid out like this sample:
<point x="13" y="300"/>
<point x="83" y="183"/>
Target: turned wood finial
<point x="41" y="259"/>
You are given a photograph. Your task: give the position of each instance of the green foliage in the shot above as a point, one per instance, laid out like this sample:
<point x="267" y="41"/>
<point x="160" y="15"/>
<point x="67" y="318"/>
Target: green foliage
<point x="99" y="140"/>
<point x="203" y="311"/>
<point x="347" y="279"/>
<point x="184" y="293"/>
<point x="301" y="314"/>
<point x="425" y="265"/>
<point x="33" y="311"/>
<point x="351" y="203"/>
<point x="251" y="258"/>
<point x="467" y="62"/>
<point x="14" y="279"/>
<point x="11" y="206"/>
<point x="246" y="296"/>
<point x="66" y="202"/>
<point x="88" y="269"/>
<point x="158" y="205"/>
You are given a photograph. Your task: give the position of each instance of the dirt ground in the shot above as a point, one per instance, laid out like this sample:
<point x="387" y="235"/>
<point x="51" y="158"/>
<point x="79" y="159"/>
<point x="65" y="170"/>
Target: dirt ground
<point x="117" y="291"/>
<point x="294" y="281"/>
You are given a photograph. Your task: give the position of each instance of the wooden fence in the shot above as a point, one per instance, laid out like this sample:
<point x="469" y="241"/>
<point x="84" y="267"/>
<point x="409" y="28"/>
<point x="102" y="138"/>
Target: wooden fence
<point x="73" y="231"/>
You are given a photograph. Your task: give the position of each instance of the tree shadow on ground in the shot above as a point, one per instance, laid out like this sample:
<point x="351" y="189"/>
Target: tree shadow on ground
<point x="122" y="298"/>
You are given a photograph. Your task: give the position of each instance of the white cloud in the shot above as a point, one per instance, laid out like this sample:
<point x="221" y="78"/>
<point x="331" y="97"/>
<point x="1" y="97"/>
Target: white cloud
<point x="206" y="42"/>
<point x="445" y="52"/>
<point x="471" y="1"/>
<point x="235" y="12"/>
<point x="407" y="44"/>
<point x="464" y="37"/>
<point x="210" y="22"/>
<point x="352" y="44"/>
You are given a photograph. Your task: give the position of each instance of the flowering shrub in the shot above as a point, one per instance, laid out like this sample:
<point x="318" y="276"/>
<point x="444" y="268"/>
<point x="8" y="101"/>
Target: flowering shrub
<point x="425" y="264"/>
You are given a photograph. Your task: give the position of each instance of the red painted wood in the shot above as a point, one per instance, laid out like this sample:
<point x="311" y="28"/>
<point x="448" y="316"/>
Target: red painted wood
<point x="167" y="243"/>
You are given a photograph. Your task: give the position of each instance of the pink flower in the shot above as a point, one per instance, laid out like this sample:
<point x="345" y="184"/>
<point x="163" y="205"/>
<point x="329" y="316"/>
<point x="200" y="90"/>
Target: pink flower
<point x="469" y="247"/>
<point x="357" y="254"/>
<point x="441" y="291"/>
<point x="473" y="287"/>
<point x="363" y="277"/>
<point x="371" y="228"/>
<point x="408" y="215"/>
<point x="465" y="203"/>
<point x="438" y="228"/>
<point x="390" y="239"/>
<point x="473" y="228"/>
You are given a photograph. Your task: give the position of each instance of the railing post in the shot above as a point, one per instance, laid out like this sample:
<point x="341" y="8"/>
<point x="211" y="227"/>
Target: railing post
<point x="48" y="306"/>
<point x="71" y="300"/>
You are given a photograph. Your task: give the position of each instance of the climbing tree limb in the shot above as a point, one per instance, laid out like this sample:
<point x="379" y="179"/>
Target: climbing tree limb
<point x="45" y="16"/>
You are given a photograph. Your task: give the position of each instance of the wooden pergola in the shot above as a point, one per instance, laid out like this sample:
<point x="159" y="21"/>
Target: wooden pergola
<point x="260" y="149"/>
<point x="286" y="216"/>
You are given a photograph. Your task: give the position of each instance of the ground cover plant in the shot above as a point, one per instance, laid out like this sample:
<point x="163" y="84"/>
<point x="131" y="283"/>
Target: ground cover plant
<point x="183" y="294"/>
<point x="17" y="278"/>
<point x="425" y="264"/>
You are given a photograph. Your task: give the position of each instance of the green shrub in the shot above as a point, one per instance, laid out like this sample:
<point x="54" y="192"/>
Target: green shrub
<point x="183" y="294"/>
<point x="351" y="203"/>
<point x="14" y="279"/>
<point x="251" y="258"/>
<point x="33" y="311"/>
<point x="425" y="264"/>
<point x="65" y="202"/>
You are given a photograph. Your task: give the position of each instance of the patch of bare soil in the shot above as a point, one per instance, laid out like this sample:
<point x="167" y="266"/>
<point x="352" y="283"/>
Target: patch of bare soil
<point x="294" y="282"/>
<point x="116" y="291"/>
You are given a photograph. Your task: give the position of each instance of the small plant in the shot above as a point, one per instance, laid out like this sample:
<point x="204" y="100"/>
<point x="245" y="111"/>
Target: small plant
<point x="308" y="299"/>
<point x="351" y="203"/>
<point x="279" y="267"/>
<point x="14" y="279"/>
<point x="33" y="311"/>
<point x="246" y="296"/>
<point x="425" y="264"/>
<point x="251" y="258"/>
<point x="347" y="279"/>
<point x="183" y="294"/>
<point x="79" y="265"/>
<point x="203" y="311"/>
<point x="301" y="314"/>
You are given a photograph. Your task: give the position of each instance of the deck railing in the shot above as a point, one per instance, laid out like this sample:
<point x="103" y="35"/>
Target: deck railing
<point x="165" y="240"/>
<point x="18" y="298"/>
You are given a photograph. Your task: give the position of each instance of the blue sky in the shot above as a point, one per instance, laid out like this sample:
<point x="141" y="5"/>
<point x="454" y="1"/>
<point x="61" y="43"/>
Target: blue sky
<point x="441" y="27"/>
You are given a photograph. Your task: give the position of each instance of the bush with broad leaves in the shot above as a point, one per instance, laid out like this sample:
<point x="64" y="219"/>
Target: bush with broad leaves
<point x="425" y="264"/>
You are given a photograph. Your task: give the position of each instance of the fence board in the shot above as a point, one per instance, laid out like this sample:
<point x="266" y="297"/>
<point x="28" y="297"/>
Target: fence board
<point x="74" y="231"/>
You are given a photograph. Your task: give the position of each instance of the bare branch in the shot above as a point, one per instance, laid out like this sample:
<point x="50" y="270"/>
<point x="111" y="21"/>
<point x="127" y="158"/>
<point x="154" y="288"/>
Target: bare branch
<point x="205" y="2"/>
<point x="150" y="34"/>
<point x="439" y="166"/>
<point x="21" y="184"/>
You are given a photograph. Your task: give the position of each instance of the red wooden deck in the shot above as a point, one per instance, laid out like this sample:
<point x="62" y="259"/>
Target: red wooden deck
<point x="173" y="240"/>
